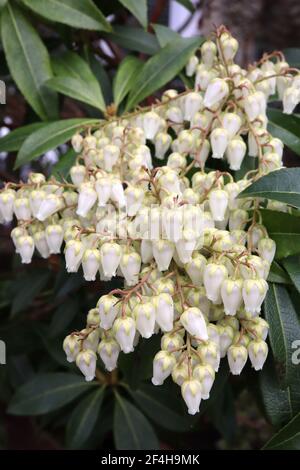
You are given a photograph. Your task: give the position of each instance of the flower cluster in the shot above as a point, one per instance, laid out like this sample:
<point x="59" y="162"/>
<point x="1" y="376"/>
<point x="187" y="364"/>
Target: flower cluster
<point x="194" y="257"/>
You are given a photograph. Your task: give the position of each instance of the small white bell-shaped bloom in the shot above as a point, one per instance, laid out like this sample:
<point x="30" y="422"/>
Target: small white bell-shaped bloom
<point x="108" y="351"/>
<point x="103" y="190"/>
<point x="258" y="352"/>
<point x="204" y="76"/>
<point x="266" y="249"/>
<point x="151" y="124"/>
<point x="260" y="328"/>
<point x="163" y="364"/>
<point x="216" y="91"/>
<point x="35" y="200"/>
<point x="78" y="174"/>
<point x="231" y="293"/>
<point x="164" y="311"/>
<point x="162" y="144"/>
<point x="163" y="251"/>
<point x="186" y="245"/>
<point x="54" y="237"/>
<point x="73" y="255"/>
<point x="134" y="199"/>
<point x="77" y="142"/>
<point x="205" y="374"/>
<point x="25" y="245"/>
<point x="191" y="393"/>
<point x="252" y="145"/>
<point x="146" y="250"/>
<point x="213" y="277"/>
<point x="71" y="346"/>
<point x="7" y="199"/>
<point x="238" y="219"/>
<point x="195" y="268"/>
<point x="110" y="256"/>
<point x="192" y="103"/>
<point x="108" y="310"/>
<point x="174" y="115"/>
<point x="218" y="203"/>
<point x="90" y="264"/>
<point x="191" y="66"/>
<point x="232" y="123"/>
<point x="130" y="265"/>
<point x="226" y="335"/>
<point x="291" y="97"/>
<point x="86" y="200"/>
<point x="86" y="363"/>
<point x="254" y="293"/>
<point x="91" y="339"/>
<point x="180" y="373"/>
<point x="144" y="314"/>
<point x="193" y="321"/>
<point x="252" y="106"/>
<point x="208" y="53"/>
<point x="49" y="206"/>
<point x="40" y="242"/>
<point x="93" y="317"/>
<point x="237" y="356"/>
<point x="172" y="341"/>
<point x="111" y="154"/>
<point x="125" y="329"/>
<point x="209" y="353"/>
<point x="22" y="208"/>
<point x="275" y="145"/>
<point x="235" y="153"/>
<point x="117" y="193"/>
<point x="229" y="47"/>
<point x="219" y="139"/>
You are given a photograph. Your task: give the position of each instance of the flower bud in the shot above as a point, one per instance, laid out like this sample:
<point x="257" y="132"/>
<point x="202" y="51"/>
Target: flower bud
<point x="49" y="206"/>
<point x="130" y="265"/>
<point x="93" y="317"/>
<point x="208" y="53"/>
<point x="191" y="393"/>
<point x="108" y="310"/>
<point x="25" y="246"/>
<point x="252" y="106"/>
<point x="90" y="264"/>
<point x="163" y="365"/>
<point x="73" y="255"/>
<point x="54" y="238"/>
<point x="231" y="293"/>
<point x="218" y="203"/>
<point x="232" y="123"/>
<point x="71" y="346"/>
<point x="22" y="208"/>
<point x="125" y="330"/>
<point x="219" y="139"/>
<point x="103" y="190"/>
<point x="35" y="200"/>
<point x="162" y="144"/>
<point x="77" y="142"/>
<point x="258" y="351"/>
<point x="209" y="353"/>
<point x="163" y="251"/>
<point x="191" y="66"/>
<point x="108" y="351"/>
<point x="195" y="268"/>
<point x="192" y="103"/>
<point x="205" y="374"/>
<point x="111" y="154"/>
<point x="180" y="373"/>
<point x="214" y="275"/>
<point x="238" y="219"/>
<point x="226" y="335"/>
<point x="229" y="48"/>
<point x="78" y="174"/>
<point x="144" y="314"/>
<point x="193" y="321"/>
<point x="151" y="124"/>
<point x="164" y="311"/>
<point x="254" y="292"/>
<point x="291" y="97"/>
<point x="110" y="256"/>
<point x="172" y="341"/>
<point x="86" y="362"/>
<point x="86" y="200"/>
<point x="235" y="153"/>
<point x="41" y="244"/>
<point x="7" y="198"/>
<point x="266" y="249"/>
<point x="237" y="356"/>
<point x="216" y="91"/>
<point x="134" y="199"/>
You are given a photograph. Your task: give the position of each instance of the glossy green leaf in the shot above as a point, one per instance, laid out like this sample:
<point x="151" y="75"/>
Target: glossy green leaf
<point x="164" y="34"/>
<point x="280" y="185"/>
<point x="292" y="56"/>
<point x="13" y="141"/>
<point x="138" y="9"/>
<point x="84" y="418"/>
<point x="81" y="14"/>
<point x="161" y="68"/>
<point x="27" y="287"/>
<point x="188" y="4"/>
<point x="277" y="274"/>
<point x="288" y="437"/>
<point x="292" y="265"/>
<point x="284" y="229"/>
<point x="29" y="70"/>
<point x="63" y="316"/>
<point x="62" y="167"/>
<point x="132" y="431"/>
<point x="284" y="331"/>
<point x="47" y="392"/>
<point x="134" y="39"/>
<point x="3" y="3"/>
<point x="127" y="70"/>
<point x="49" y="137"/>
<point x="102" y="76"/>
<point x="285" y="127"/>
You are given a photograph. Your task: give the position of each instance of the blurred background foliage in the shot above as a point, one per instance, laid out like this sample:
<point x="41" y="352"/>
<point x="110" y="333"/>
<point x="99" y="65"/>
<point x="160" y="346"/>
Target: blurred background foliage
<point x="66" y="63"/>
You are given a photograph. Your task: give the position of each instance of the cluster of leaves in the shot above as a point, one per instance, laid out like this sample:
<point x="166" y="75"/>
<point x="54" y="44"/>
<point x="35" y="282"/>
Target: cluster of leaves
<point x="53" y="55"/>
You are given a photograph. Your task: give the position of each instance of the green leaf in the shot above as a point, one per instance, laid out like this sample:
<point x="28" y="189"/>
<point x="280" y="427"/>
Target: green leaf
<point x="63" y="316"/>
<point x="164" y="34"/>
<point x="101" y="75"/>
<point x="28" y="61"/>
<point x="292" y="265"/>
<point x="128" y="69"/>
<point x="280" y="185"/>
<point x="288" y="437"/>
<point x="285" y="127"/>
<point x="188" y="4"/>
<point x="62" y="167"/>
<point x="132" y="431"/>
<point x="134" y="39"/>
<point x="277" y="274"/>
<point x="78" y="90"/>
<point x="284" y="229"/>
<point x="27" y="288"/>
<point x="84" y="418"/>
<point x="292" y="56"/>
<point x="47" y="392"/>
<point x="138" y="9"/>
<point x="161" y="68"/>
<point x="284" y="330"/>
<point x="49" y="137"/>
<point x="3" y="3"/>
<point x="13" y="141"/>
<point x="158" y="405"/>
<point x="82" y="14"/>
